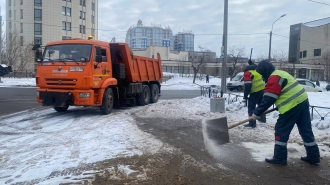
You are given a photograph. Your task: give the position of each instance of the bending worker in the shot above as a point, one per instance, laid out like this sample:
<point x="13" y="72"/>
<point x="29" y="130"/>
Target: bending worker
<point x="253" y="86"/>
<point x="292" y="103"/>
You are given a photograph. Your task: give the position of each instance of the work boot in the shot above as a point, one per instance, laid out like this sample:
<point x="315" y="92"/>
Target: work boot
<point x="276" y="161"/>
<point x="248" y="125"/>
<point x="310" y="160"/>
<point x="262" y="119"/>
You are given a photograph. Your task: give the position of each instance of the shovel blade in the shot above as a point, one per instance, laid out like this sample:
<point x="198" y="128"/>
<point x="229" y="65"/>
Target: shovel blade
<point x="217" y="130"/>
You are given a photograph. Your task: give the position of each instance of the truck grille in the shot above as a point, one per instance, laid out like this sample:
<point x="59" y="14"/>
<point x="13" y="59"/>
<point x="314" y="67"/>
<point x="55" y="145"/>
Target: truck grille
<point x="60" y="82"/>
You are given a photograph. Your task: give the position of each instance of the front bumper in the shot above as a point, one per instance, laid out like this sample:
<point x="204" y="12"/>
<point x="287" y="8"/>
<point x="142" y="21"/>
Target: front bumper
<point x="62" y="98"/>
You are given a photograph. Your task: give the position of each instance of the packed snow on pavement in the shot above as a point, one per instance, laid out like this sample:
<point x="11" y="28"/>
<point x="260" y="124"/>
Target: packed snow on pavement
<point x="40" y="146"/>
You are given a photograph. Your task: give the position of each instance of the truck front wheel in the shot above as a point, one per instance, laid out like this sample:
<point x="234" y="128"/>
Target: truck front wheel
<point x="144" y="97"/>
<point x="107" y="102"/>
<point x="61" y="109"/>
<point x="154" y="91"/>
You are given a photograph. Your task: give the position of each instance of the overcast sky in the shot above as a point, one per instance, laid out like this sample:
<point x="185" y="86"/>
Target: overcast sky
<point x="249" y="21"/>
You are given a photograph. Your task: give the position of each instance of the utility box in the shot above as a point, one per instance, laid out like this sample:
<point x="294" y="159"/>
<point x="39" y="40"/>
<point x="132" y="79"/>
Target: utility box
<point x="217" y="105"/>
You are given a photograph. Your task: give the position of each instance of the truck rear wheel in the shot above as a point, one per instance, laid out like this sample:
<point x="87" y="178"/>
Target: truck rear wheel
<point x="107" y="102"/>
<point x="154" y="91"/>
<point x="61" y="109"/>
<point x="144" y="97"/>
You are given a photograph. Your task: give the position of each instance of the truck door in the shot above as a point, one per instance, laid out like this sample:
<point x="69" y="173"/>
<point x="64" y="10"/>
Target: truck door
<point x="101" y="71"/>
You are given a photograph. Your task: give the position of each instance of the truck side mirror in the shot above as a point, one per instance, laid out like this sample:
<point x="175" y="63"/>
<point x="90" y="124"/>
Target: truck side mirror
<point x="38" y="55"/>
<point x="98" y="58"/>
<point x="97" y="50"/>
<point x="98" y="55"/>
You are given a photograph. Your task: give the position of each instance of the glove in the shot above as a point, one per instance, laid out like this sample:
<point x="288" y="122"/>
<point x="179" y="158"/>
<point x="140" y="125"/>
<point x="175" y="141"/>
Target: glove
<point x="254" y="117"/>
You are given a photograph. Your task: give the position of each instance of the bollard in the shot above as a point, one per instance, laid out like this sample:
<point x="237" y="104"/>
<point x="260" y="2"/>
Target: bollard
<point x="217" y="105"/>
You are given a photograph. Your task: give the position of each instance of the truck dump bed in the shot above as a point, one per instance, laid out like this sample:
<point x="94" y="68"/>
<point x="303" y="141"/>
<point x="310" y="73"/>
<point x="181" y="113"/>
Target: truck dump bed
<point x="137" y="68"/>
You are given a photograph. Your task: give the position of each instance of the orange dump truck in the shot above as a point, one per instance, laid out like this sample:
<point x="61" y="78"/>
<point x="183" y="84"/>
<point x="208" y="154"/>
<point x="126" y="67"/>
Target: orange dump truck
<point x="82" y="72"/>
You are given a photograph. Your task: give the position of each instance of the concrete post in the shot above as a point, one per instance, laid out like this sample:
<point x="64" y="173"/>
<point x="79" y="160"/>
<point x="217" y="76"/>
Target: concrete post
<point x="217" y="105"/>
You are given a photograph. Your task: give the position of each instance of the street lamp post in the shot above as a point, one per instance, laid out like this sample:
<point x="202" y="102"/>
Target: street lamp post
<point x="270" y="38"/>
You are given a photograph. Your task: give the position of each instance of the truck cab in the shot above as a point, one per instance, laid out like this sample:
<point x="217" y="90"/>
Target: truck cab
<point x="237" y="83"/>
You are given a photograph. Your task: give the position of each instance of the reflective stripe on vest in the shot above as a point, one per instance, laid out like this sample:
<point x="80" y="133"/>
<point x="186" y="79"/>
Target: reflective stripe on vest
<point x="291" y="95"/>
<point x="257" y="82"/>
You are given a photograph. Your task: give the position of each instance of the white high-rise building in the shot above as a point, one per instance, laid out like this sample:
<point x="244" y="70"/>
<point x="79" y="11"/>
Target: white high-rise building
<point x="42" y="21"/>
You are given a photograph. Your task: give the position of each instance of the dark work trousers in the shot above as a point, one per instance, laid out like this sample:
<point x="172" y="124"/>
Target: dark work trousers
<point x="253" y="101"/>
<point x="298" y="115"/>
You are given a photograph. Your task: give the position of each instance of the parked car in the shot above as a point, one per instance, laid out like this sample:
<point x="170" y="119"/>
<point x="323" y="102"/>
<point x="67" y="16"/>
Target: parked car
<point x="236" y="83"/>
<point x="327" y="87"/>
<point x="308" y="85"/>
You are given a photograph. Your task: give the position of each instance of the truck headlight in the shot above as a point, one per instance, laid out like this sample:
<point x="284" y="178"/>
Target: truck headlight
<point x="80" y="69"/>
<point x="84" y="95"/>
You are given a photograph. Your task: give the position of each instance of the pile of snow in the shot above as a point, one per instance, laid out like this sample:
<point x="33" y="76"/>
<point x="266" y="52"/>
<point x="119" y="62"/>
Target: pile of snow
<point x="25" y="82"/>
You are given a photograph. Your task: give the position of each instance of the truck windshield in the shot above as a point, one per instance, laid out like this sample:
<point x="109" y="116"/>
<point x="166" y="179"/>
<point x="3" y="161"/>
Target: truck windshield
<point x="67" y="53"/>
<point x="237" y="78"/>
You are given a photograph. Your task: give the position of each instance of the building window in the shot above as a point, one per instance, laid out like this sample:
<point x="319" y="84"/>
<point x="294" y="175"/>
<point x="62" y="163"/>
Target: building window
<point x="37" y="2"/>
<point x="37" y="29"/>
<point x="9" y="25"/>
<point x="38" y="14"/>
<point x="21" y="2"/>
<point x="82" y="15"/>
<point x="22" y="40"/>
<point x="93" y="18"/>
<point x="67" y="0"/>
<point x="66" y="11"/>
<point x="82" y="29"/>
<point x="68" y="26"/>
<point x="83" y="2"/>
<point x="92" y="32"/>
<point x="9" y="2"/>
<point x="317" y="52"/>
<point x="37" y="40"/>
<point x="21" y="27"/>
<point x="304" y="54"/>
<point x="9" y="13"/>
<point x="21" y="13"/>
<point x="93" y="6"/>
<point x="65" y="37"/>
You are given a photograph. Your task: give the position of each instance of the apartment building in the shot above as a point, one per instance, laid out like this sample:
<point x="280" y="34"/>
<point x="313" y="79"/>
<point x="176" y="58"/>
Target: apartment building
<point x="42" y="21"/>
<point x="184" y="41"/>
<point x="140" y="37"/>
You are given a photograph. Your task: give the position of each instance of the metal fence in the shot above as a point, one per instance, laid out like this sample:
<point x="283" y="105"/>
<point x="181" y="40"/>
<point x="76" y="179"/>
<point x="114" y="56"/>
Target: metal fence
<point x="21" y="74"/>
<point x="214" y="92"/>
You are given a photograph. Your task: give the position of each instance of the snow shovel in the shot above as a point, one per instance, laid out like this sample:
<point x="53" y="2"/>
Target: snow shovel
<point x="217" y="129"/>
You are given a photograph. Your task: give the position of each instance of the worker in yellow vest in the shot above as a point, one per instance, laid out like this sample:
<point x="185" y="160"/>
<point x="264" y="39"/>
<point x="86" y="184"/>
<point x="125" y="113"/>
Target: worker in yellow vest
<point x="253" y="91"/>
<point x="292" y="103"/>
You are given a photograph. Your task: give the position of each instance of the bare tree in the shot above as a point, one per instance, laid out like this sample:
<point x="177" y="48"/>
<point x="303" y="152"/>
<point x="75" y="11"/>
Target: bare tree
<point x="26" y="58"/>
<point x="12" y="44"/>
<point x="236" y="55"/>
<point x="326" y="65"/>
<point x="281" y="57"/>
<point x="198" y="58"/>
<point x="182" y="64"/>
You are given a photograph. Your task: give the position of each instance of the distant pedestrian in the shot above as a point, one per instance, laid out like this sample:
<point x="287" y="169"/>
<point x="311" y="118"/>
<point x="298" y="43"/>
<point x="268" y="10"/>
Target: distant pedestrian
<point x="207" y="78"/>
<point x="317" y="82"/>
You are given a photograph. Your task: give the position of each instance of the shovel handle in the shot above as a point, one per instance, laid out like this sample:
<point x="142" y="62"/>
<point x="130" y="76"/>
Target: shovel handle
<point x="250" y="119"/>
